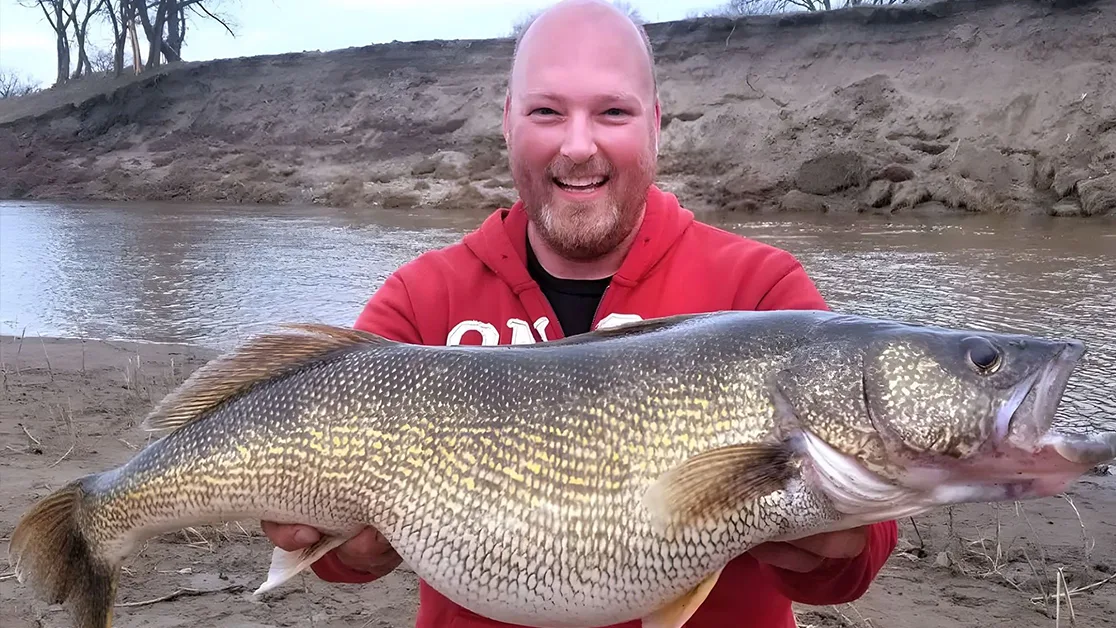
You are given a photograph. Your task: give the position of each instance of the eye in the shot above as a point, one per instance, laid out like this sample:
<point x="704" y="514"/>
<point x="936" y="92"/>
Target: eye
<point x="544" y="110"/>
<point x="615" y="111"/>
<point x="983" y="355"/>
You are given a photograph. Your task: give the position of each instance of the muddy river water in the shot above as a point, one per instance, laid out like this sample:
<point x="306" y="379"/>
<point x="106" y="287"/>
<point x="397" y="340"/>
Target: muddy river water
<point x="213" y="274"/>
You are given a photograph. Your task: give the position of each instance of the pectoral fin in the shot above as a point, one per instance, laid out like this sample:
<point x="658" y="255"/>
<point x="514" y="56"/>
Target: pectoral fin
<point x="678" y="612"/>
<point x="286" y="565"/>
<point x="715" y="481"/>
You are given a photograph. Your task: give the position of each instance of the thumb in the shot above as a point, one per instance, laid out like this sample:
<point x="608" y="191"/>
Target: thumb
<point x="290" y="537"/>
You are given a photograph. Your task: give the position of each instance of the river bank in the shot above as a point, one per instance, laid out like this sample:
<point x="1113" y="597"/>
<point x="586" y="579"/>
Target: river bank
<point x="70" y="407"/>
<point x="948" y="106"/>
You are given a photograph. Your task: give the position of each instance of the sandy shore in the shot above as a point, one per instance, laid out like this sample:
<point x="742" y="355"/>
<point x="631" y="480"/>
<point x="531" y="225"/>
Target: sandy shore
<point x="69" y="407"/>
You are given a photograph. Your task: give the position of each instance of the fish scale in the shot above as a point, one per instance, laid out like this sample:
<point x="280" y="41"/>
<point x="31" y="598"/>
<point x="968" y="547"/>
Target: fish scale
<point x="582" y="482"/>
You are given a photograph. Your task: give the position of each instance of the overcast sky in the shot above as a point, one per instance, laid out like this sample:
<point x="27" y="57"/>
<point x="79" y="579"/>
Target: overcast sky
<point x="275" y="26"/>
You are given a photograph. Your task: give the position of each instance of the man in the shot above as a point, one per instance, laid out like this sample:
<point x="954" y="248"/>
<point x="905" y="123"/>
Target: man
<point x="591" y="243"/>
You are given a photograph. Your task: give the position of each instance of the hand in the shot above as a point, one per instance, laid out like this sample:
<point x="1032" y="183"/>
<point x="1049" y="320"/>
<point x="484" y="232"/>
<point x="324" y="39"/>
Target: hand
<point x="807" y="554"/>
<point x="368" y="551"/>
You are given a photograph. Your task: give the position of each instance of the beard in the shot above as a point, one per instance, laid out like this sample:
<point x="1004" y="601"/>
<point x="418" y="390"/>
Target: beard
<point x="583" y="230"/>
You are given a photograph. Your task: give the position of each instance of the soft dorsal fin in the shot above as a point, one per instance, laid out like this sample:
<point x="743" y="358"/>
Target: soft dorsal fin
<point x="261" y="358"/>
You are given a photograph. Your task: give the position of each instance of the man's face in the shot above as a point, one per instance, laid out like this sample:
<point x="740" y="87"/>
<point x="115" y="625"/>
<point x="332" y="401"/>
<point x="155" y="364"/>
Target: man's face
<point x="582" y="124"/>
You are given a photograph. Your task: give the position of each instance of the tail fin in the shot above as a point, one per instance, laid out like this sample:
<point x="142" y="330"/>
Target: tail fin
<point x="50" y="552"/>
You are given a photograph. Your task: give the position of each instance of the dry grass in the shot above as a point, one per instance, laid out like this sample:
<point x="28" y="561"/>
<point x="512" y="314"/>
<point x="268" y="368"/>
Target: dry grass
<point x="146" y="386"/>
<point x="843" y="616"/>
<point x="210" y="537"/>
<point x="63" y="417"/>
<point x="1044" y="584"/>
<point x="1004" y="549"/>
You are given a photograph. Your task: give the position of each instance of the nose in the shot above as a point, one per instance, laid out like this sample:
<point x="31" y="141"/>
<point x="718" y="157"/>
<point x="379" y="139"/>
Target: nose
<point x="579" y="145"/>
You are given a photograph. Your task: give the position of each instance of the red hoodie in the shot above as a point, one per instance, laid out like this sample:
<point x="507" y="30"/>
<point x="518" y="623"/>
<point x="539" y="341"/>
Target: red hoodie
<point x="479" y="291"/>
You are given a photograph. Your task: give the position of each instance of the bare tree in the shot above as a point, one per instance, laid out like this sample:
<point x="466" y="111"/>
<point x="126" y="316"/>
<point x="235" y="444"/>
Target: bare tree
<point x="70" y="21"/>
<point x="163" y="22"/>
<point x="101" y="60"/>
<point x="169" y="16"/>
<point x="59" y="19"/>
<point x="79" y="19"/>
<point x="12" y="85"/>
<point x="734" y="8"/>
<point x="121" y="15"/>
<point x="626" y="7"/>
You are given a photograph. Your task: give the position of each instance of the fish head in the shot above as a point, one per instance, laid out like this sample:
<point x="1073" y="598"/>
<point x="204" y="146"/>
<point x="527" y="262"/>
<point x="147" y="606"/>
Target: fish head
<point x="894" y="416"/>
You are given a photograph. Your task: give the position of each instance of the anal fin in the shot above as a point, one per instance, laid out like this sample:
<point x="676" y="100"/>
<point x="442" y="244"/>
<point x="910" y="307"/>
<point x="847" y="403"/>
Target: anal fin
<point x="286" y="565"/>
<point x="678" y="612"/>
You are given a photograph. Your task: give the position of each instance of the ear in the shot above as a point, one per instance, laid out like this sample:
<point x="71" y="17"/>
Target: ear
<point x="658" y="123"/>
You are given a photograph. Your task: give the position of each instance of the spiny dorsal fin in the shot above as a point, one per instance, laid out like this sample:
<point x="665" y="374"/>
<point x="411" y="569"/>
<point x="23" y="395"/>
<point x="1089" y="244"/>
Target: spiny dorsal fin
<point x="719" y="480"/>
<point x="261" y="358"/>
<point x="622" y="330"/>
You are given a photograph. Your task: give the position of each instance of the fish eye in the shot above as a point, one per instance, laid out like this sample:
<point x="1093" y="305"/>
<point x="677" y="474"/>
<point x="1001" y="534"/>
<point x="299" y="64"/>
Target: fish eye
<point x="982" y="354"/>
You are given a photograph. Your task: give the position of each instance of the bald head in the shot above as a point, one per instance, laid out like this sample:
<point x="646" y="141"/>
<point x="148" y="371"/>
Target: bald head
<point x="586" y="24"/>
<point x="582" y="121"/>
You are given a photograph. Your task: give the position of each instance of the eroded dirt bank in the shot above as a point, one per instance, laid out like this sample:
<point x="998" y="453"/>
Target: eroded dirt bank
<point x="989" y="105"/>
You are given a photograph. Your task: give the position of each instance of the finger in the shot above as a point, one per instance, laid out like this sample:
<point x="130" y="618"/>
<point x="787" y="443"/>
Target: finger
<point x="368" y="544"/>
<point x="840" y="544"/>
<point x="786" y="556"/>
<point x="290" y="537"/>
<point x="378" y="567"/>
<point x="369" y="551"/>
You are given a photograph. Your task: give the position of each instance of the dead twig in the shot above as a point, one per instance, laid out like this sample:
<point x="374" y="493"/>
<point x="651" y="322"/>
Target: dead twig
<point x="67" y="416"/>
<point x="1100" y="583"/>
<point x="64" y="456"/>
<point x="33" y="439"/>
<point x="921" y="543"/>
<point x="1044" y="576"/>
<point x="7" y="576"/>
<point x="1085" y="540"/>
<point x="47" y="355"/>
<point x="235" y="588"/>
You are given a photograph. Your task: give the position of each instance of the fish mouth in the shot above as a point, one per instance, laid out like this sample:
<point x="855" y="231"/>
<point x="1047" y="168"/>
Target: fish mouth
<point x="1028" y="459"/>
<point x="1029" y="412"/>
<point x="1027" y="415"/>
<point x="1023" y="458"/>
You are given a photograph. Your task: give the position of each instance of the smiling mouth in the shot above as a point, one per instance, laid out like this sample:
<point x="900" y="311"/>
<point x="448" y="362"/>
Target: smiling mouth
<point x="580" y="184"/>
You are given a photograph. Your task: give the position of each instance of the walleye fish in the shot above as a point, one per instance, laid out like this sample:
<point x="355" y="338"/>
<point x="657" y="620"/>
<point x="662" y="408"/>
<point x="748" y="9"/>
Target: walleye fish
<point x="581" y="482"/>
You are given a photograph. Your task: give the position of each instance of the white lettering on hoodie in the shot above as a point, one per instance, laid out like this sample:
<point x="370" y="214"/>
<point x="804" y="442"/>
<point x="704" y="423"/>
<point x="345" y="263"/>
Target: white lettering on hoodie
<point x="521" y="329"/>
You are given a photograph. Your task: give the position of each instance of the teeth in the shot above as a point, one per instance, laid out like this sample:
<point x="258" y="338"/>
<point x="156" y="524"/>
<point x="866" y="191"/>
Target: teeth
<point x="582" y="183"/>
